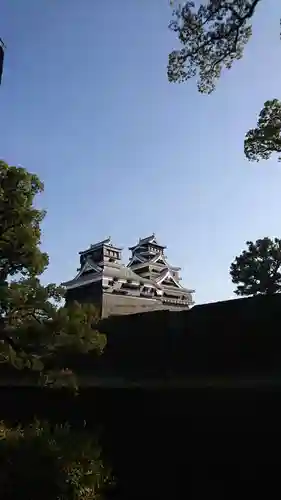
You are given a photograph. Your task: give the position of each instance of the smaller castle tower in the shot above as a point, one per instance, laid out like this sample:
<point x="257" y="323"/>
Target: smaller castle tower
<point x="98" y="265"/>
<point x="149" y="261"/>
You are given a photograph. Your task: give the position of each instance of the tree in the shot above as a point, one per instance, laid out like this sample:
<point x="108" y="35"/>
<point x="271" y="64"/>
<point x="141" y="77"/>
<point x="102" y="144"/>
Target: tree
<point x="212" y="37"/>
<point x="45" y="337"/>
<point x="36" y="332"/>
<point x="258" y="269"/>
<point x="265" y="139"/>
<point x="20" y="223"/>
<point x="41" y="338"/>
<point x="51" y="463"/>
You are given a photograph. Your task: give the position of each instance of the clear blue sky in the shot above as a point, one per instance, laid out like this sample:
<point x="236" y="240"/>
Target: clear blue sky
<point x="85" y="103"/>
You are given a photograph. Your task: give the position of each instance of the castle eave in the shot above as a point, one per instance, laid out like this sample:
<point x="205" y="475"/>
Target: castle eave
<point x="106" y="243"/>
<point x="145" y="243"/>
<point x="82" y="281"/>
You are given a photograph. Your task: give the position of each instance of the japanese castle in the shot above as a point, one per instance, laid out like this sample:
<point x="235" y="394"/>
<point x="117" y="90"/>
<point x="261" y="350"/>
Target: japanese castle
<point x="146" y="283"/>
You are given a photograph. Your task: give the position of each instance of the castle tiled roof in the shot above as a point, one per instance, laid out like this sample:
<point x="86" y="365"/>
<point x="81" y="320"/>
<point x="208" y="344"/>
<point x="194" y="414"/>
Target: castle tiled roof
<point x="109" y="270"/>
<point x="149" y="239"/>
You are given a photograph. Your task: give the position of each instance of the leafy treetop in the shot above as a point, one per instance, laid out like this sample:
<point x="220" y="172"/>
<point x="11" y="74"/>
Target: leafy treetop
<point x="258" y="269"/>
<point x="265" y="139"/>
<point x="19" y="223"/>
<point x="212" y="36"/>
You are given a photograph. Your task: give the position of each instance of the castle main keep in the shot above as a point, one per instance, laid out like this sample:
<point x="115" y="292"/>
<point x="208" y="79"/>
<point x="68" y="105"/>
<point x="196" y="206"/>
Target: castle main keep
<point x="148" y="282"/>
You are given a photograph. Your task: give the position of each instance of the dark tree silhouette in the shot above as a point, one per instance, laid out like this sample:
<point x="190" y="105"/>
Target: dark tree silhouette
<point x="213" y="36"/>
<point x="258" y="269"/>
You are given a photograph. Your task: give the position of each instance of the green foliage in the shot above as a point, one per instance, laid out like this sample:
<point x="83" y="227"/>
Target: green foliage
<point x="75" y="327"/>
<point x="44" y="336"/>
<point x="36" y="332"/>
<point x="265" y="139"/>
<point x="19" y="223"/>
<point x="51" y="463"/>
<point x="212" y="36"/>
<point x="258" y="269"/>
<point x="39" y="336"/>
<point x="19" y="255"/>
<point x="73" y="330"/>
